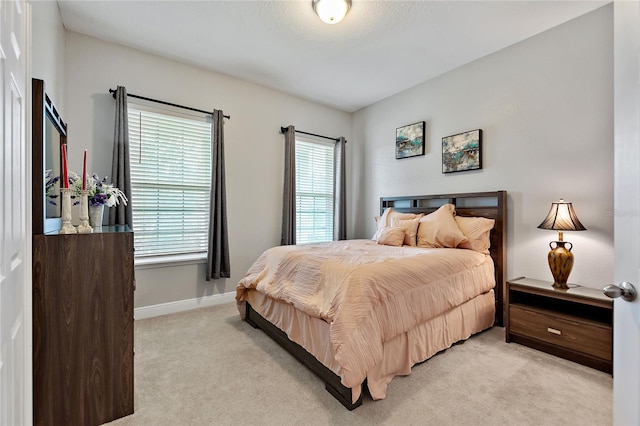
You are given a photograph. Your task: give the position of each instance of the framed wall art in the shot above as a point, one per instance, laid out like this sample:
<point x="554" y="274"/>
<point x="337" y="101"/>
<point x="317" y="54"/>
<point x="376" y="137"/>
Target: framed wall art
<point x="410" y="140"/>
<point x="462" y="152"/>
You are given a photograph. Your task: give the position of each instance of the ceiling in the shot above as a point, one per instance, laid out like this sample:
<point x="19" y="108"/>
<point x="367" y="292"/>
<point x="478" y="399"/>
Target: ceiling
<point x="379" y="49"/>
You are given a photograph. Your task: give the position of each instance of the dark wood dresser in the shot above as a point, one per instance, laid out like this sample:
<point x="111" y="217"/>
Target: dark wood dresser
<point x="83" y="327"/>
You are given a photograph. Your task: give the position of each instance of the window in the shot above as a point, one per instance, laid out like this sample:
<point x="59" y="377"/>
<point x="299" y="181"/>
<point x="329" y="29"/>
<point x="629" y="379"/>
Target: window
<point x="170" y="159"/>
<point x="314" y="191"/>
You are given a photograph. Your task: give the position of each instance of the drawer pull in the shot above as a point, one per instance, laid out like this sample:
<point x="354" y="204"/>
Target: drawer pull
<point x="554" y="331"/>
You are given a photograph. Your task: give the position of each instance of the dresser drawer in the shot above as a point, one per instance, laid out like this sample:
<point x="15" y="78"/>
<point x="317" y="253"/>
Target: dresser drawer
<point x="585" y="336"/>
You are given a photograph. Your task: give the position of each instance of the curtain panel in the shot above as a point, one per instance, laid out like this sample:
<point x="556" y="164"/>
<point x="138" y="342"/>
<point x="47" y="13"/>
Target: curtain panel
<point x="218" y="264"/>
<point x="121" y="214"/>
<point x="340" y="192"/>
<point x="289" y="196"/>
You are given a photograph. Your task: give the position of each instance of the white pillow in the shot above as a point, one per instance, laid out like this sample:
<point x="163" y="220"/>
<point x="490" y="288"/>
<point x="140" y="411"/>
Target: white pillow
<point x="381" y="223"/>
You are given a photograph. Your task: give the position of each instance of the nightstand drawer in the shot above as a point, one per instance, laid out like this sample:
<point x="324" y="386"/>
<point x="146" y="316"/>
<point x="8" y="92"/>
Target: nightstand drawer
<point x="587" y="337"/>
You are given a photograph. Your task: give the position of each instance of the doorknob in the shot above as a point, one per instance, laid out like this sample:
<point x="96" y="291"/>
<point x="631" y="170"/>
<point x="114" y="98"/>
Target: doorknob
<point x="626" y="290"/>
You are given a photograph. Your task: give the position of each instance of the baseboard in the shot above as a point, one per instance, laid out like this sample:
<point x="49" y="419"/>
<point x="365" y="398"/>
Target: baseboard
<point x="182" y="305"/>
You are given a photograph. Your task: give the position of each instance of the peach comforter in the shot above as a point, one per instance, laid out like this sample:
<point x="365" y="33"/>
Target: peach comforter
<point x="367" y="293"/>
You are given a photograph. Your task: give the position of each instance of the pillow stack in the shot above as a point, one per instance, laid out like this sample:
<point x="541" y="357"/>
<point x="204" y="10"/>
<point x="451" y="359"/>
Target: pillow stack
<point x="393" y="219"/>
<point x="440" y="229"/>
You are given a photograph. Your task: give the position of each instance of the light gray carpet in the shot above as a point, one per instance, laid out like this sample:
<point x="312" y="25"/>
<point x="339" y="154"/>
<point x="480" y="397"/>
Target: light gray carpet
<point x="207" y="367"/>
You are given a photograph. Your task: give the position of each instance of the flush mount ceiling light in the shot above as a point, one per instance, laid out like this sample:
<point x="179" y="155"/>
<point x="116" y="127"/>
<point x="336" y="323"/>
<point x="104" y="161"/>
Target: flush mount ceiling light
<point x="331" y="11"/>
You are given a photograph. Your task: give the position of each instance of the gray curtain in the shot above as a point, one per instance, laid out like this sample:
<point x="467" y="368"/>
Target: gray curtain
<point x="340" y="192"/>
<point x="218" y="265"/>
<point x="120" y="171"/>
<point x="289" y="196"/>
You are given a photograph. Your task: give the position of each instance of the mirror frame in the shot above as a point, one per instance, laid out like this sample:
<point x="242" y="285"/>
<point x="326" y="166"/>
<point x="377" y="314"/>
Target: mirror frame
<point x="42" y="109"/>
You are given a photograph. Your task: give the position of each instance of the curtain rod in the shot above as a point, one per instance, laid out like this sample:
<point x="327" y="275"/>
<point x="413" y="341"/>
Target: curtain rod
<point x="284" y="130"/>
<point x="113" y="92"/>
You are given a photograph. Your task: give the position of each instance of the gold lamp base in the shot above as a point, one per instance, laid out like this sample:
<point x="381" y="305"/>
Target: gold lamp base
<point x="560" y="262"/>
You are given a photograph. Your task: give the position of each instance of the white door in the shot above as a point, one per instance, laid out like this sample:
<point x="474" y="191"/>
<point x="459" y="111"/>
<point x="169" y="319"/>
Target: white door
<point x="626" y="338"/>
<point x="15" y="216"/>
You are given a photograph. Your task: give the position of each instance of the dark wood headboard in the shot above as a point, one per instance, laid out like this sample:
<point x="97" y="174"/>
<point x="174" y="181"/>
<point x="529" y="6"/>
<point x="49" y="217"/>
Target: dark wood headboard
<point x="492" y="205"/>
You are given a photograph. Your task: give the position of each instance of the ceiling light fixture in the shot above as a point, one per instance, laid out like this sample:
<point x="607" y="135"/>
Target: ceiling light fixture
<point x="331" y="11"/>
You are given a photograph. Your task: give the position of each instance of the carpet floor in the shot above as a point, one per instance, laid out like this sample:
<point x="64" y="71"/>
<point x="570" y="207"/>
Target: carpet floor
<point x="207" y="367"/>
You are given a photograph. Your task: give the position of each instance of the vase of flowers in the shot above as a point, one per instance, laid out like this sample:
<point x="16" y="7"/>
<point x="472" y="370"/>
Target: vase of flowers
<point x="99" y="194"/>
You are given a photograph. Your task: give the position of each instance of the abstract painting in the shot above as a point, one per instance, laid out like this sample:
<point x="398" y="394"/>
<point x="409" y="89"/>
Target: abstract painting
<point x="410" y="140"/>
<point x="462" y="152"/>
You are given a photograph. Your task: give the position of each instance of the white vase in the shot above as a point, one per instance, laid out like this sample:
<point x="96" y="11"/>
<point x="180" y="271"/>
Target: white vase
<point x="95" y="216"/>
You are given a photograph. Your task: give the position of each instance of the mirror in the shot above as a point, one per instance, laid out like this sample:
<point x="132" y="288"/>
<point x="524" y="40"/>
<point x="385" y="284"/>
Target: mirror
<point x="52" y="170"/>
<point x="49" y="132"/>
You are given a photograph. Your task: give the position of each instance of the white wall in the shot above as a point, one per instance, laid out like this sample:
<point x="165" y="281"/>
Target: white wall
<point x="253" y="146"/>
<point x="545" y="106"/>
<point x="48" y="50"/>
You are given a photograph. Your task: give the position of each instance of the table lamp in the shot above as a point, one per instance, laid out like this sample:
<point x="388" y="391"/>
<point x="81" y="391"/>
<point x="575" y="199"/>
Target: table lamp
<point x="561" y="217"/>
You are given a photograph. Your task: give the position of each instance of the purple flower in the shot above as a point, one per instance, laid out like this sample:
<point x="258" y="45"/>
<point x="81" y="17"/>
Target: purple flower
<point x="98" y="200"/>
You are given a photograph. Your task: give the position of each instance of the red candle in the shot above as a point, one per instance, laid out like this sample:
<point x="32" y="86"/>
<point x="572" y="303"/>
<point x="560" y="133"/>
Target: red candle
<point x="84" y="171"/>
<point x="65" y="176"/>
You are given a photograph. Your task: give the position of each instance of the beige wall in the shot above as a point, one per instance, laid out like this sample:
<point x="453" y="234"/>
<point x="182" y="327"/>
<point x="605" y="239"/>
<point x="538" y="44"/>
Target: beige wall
<point x="545" y="106"/>
<point x="253" y="146"/>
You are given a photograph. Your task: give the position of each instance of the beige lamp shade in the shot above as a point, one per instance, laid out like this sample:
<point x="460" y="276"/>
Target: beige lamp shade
<point x="562" y="217"/>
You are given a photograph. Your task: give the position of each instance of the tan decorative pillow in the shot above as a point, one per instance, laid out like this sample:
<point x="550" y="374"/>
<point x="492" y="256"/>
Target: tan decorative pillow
<point x="439" y="229"/>
<point x="412" y="229"/>
<point x="391" y="236"/>
<point x="477" y="230"/>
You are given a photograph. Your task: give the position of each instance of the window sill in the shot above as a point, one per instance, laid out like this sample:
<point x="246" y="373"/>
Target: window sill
<point x="170" y="260"/>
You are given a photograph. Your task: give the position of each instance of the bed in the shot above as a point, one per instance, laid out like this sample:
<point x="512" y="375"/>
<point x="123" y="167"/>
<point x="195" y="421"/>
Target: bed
<point x="360" y="312"/>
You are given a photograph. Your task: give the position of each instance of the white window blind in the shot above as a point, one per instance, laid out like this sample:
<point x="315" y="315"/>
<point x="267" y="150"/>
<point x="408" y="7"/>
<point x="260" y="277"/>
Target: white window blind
<point x="314" y="191"/>
<point x="170" y="159"/>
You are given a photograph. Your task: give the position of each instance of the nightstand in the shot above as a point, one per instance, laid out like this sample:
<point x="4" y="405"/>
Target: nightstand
<point x="575" y="324"/>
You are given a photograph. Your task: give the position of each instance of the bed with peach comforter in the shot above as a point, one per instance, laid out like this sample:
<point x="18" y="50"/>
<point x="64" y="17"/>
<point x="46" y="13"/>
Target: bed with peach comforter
<point x="369" y="294"/>
<point x="358" y="312"/>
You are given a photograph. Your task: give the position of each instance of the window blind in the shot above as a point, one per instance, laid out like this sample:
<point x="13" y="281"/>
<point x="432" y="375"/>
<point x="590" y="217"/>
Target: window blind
<point x="314" y="191"/>
<point x="170" y="160"/>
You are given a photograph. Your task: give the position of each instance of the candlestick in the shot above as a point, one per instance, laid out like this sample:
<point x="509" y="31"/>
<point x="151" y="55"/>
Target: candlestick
<point x="65" y="175"/>
<point x="84" y="171"/>
<point x="67" y="227"/>
<point x="84" y="227"/>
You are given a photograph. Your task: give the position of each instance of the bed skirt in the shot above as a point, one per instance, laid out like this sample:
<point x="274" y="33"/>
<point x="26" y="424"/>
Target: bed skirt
<point x="400" y="353"/>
